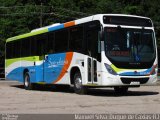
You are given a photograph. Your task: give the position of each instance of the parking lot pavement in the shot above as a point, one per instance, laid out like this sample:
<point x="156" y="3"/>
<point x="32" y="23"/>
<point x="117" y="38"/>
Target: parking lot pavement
<point x="49" y="100"/>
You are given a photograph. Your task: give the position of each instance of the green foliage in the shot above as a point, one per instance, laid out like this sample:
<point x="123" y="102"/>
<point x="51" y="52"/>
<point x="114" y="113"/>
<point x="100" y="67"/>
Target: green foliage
<point x="28" y="13"/>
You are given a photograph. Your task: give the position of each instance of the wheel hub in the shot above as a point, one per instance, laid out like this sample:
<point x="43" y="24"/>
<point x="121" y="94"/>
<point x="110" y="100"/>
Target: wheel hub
<point x="26" y="81"/>
<point x="78" y="83"/>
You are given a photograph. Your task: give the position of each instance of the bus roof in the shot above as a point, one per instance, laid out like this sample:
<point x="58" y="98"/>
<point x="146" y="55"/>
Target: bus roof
<point x="67" y="24"/>
<point x="42" y="30"/>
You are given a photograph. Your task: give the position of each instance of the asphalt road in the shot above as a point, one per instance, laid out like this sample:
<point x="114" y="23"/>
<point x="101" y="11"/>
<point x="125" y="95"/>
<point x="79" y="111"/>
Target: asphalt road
<point x="47" y="100"/>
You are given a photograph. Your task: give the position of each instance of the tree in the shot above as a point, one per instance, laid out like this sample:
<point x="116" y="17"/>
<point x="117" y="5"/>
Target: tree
<point x="21" y="16"/>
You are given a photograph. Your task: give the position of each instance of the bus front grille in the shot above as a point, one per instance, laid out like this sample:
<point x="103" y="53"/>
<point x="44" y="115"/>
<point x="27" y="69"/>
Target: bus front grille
<point x="129" y="80"/>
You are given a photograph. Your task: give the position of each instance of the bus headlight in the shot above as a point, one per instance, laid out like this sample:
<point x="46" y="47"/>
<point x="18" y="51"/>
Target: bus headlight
<point x="109" y="69"/>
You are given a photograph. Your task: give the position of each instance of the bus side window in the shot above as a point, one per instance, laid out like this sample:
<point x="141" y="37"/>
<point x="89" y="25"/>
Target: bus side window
<point x="91" y="36"/>
<point x="92" y="43"/>
<point x="40" y="40"/>
<point x="17" y="49"/>
<point x="25" y="49"/>
<point x="33" y="46"/>
<point x="76" y="38"/>
<point x="61" y="41"/>
<point x="9" y="50"/>
<point x="12" y="50"/>
<point x="50" y="49"/>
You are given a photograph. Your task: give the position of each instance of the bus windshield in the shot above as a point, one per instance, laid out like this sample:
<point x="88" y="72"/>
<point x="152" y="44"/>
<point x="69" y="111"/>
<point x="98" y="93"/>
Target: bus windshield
<point x="126" y="47"/>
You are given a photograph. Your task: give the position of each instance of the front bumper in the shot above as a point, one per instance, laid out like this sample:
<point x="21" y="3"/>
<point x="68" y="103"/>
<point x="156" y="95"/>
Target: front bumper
<point x="117" y="80"/>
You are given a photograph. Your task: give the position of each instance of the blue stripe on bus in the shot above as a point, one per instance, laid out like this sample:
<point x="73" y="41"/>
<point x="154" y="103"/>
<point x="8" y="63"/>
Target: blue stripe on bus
<point x="17" y="74"/>
<point x="53" y="67"/>
<point x="142" y="73"/>
<point x="47" y="72"/>
<point x="56" y="27"/>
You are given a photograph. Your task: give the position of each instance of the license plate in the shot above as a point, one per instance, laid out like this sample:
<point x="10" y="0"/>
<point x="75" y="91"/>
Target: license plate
<point x="135" y="83"/>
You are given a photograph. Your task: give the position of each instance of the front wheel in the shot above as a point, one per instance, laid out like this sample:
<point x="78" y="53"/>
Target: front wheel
<point x="78" y="87"/>
<point x="27" y="84"/>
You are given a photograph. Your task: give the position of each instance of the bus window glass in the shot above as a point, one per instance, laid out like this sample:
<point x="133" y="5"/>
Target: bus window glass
<point x="17" y="49"/>
<point x="33" y="46"/>
<point x="40" y="41"/>
<point x="76" y="38"/>
<point x="129" y="46"/>
<point x="9" y="50"/>
<point x="50" y="43"/>
<point x="61" y="41"/>
<point x="25" y="50"/>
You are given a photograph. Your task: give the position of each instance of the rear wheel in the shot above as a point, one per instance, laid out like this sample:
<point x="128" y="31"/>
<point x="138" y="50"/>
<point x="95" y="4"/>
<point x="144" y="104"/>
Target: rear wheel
<point x="78" y="87"/>
<point x="27" y="83"/>
<point x="121" y="89"/>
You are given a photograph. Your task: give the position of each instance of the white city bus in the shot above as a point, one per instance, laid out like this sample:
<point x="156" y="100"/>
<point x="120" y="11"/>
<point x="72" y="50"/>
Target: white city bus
<point x="103" y="50"/>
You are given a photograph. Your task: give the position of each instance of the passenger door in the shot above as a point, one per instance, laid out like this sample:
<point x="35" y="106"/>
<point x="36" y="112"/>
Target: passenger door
<point x="92" y="30"/>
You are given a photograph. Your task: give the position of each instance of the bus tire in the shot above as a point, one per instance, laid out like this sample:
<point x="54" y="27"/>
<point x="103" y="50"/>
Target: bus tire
<point x="121" y="89"/>
<point x="27" y="84"/>
<point x="78" y="87"/>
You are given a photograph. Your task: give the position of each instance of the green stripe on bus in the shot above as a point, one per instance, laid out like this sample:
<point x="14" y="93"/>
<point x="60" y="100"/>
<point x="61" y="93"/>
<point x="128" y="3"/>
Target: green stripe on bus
<point x="120" y="70"/>
<point x="27" y="35"/>
<point x="11" y="61"/>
